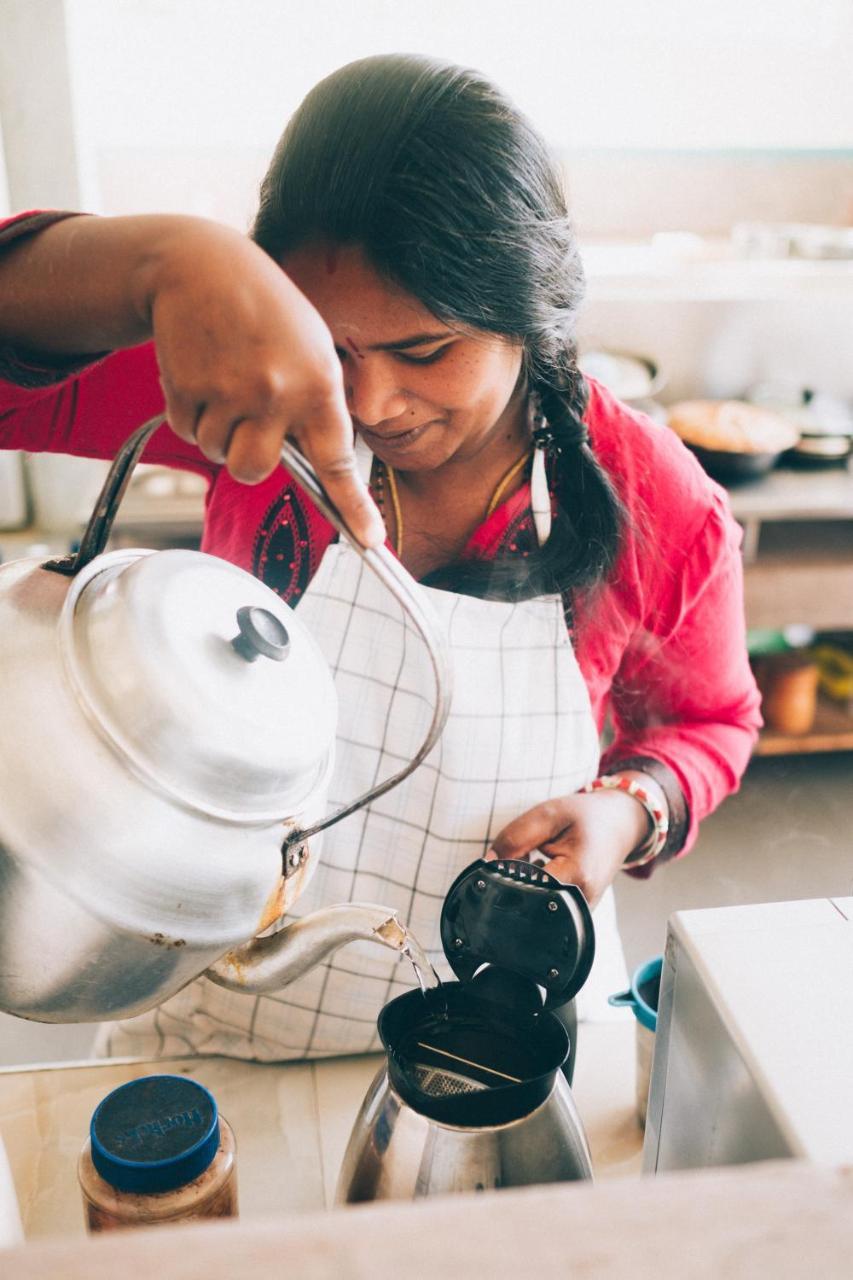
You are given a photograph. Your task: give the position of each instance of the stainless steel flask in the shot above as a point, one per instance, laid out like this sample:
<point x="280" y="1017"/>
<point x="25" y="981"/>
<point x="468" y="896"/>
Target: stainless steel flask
<point x="472" y="1095"/>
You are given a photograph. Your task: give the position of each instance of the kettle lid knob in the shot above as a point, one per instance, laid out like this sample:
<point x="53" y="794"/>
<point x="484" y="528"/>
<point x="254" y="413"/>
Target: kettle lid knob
<point x="261" y="634"/>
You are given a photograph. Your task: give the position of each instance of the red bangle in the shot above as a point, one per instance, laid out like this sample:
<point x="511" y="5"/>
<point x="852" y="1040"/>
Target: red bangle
<point x="651" y="847"/>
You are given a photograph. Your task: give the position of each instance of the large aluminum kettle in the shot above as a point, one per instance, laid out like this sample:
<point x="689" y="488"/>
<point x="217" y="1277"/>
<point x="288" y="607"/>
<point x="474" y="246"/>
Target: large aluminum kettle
<point x="166" y="736"/>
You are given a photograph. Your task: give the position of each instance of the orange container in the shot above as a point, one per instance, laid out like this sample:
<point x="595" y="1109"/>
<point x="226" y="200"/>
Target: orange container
<point x="788" y="684"/>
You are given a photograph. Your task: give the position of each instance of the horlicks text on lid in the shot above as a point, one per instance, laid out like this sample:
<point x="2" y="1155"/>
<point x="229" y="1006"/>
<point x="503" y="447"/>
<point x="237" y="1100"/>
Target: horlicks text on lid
<point x="154" y="1134"/>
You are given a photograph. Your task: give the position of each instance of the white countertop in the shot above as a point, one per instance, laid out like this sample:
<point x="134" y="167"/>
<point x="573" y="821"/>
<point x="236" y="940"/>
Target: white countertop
<point x="292" y="1122"/>
<point x="765" y="989"/>
<point x="781" y="1220"/>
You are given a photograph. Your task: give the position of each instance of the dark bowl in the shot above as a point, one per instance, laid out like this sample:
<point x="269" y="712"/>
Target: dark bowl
<point x="734" y="468"/>
<point x="820" y="451"/>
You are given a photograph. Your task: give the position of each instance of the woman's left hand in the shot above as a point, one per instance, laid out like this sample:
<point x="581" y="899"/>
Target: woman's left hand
<point x="587" y="836"/>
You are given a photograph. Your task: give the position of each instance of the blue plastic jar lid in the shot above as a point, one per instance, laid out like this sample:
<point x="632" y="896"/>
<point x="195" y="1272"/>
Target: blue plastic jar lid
<point x="154" y="1134"/>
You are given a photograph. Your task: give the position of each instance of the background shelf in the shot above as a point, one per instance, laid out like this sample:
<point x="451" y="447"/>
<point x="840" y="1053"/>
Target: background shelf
<point x="832" y="731"/>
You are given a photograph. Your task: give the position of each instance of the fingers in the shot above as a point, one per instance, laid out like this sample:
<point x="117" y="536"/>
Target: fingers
<point x="554" y="828"/>
<point x="182" y="411"/>
<point x="246" y="360"/>
<point x="327" y="440"/>
<point x="570" y="870"/>
<point x="533" y="829"/>
<point x="250" y="447"/>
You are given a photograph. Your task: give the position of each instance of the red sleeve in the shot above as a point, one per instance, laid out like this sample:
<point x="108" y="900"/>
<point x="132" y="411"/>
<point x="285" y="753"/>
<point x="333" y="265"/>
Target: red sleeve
<point x="663" y="646"/>
<point x="685" y="694"/>
<point x="92" y="413"/>
<point x="665" y="649"/>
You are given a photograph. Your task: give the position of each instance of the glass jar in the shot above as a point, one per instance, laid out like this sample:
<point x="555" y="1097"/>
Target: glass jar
<point x="158" y="1151"/>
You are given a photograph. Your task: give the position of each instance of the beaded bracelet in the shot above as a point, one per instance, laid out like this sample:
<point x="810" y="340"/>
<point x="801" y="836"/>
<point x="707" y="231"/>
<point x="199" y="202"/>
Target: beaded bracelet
<point x="651" y="847"/>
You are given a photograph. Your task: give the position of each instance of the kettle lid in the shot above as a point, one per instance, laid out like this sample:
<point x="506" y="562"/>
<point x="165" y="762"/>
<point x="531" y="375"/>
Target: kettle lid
<point x="514" y="915"/>
<point x="202" y="679"/>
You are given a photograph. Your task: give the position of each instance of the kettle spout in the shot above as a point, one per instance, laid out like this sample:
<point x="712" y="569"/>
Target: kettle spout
<point x="266" y="964"/>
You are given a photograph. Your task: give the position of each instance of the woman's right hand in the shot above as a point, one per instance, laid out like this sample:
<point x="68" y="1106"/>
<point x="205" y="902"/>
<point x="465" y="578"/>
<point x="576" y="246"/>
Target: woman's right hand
<point x="246" y="360"/>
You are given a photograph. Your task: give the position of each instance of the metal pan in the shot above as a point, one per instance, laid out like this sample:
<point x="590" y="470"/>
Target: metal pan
<point x="730" y="467"/>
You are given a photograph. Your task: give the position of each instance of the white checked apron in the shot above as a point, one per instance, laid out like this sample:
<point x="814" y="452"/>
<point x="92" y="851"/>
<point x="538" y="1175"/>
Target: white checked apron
<point x="520" y="731"/>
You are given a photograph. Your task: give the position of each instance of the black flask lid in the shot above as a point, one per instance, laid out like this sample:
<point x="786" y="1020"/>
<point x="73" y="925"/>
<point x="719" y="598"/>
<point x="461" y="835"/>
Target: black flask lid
<point x="517" y="917"/>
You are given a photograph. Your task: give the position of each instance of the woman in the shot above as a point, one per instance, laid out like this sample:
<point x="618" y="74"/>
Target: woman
<point x="584" y="566"/>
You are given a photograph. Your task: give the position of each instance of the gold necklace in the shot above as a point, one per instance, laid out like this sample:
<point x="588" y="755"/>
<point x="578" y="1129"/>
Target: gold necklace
<point x="398" y="513"/>
<point x="502" y="484"/>
<point x="385" y="469"/>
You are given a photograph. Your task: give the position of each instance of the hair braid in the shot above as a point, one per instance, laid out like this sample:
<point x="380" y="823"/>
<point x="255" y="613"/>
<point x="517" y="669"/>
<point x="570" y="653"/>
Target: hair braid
<point x="589" y="512"/>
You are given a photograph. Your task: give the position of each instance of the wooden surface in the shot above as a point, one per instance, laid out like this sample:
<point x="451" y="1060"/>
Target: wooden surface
<point x="800" y="587"/>
<point x="798" y="552"/>
<point x="796" y="493"/>
<point x="798" y="547"/>
<point x="781" y="1220"/>
<point x="832" y="731"/>
<point x="291" y="1120"/>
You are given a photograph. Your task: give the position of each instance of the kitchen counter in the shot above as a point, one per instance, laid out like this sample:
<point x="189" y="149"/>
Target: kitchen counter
<point x="785" y="1220"/>
<point x="292" y="1122"/>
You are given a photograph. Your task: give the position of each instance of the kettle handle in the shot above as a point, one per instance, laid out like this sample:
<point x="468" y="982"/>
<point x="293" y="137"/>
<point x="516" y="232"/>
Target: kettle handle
<point x="101" y="520"/>
<point x="403" y="587"/>
<point x="379" y="559"/>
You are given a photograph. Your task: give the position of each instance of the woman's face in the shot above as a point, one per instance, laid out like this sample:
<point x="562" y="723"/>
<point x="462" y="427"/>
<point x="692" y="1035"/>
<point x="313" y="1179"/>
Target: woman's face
<point x="419" y="392"/>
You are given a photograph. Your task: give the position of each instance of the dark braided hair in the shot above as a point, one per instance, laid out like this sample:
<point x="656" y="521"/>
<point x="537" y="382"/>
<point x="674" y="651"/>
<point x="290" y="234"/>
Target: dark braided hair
<point x="451" y="194"/>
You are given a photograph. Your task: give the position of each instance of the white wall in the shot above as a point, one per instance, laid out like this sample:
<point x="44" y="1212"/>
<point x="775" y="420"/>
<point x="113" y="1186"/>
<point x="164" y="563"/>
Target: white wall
<point x="184" y="109"/>
<point x="197" y="89"/>
<point x="38" y="116"/>
<point x="711" y="73"/>
<point x="5" y="204"/>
